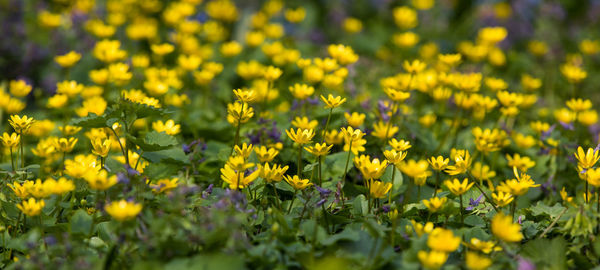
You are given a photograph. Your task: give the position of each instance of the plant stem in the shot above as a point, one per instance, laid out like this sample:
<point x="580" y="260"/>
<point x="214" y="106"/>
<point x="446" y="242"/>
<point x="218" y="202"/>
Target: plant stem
<point x="487" y="199"/>
<point x="12" y="159"/>
<point x="320" y="176"/>
<point x="347" y="161"/>
<point x="22" y="152"/>
<point x="299" y="161"/>
<point x="513" y="207"/>
<point x="237" y="130"/>
<point x="326" y="125"/>
<point x="462" y="218"/>
<point x="392" y="188"/>
<point x="276" y="197"/>
<point x="437" y="183"/>
<point x="292" y="202"/>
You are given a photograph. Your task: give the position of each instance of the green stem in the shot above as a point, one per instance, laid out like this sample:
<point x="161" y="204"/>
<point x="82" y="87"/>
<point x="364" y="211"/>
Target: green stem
<point x="276" y="197"/>
<point x="22" y="152"/>
<point x="326" y="125"/>
<point x="12" y="159"/>
<point x="487" y="199"/>
<point x="347" y="161"/>
<point x="392" y="189"/>
<point x="299" y="160"/>
<point x="292" y="202"/>
<point x="437" y="183"/>
<point x="320" y="176"/>
<point x="237" y="130"/>
<point x="462" y="218"/>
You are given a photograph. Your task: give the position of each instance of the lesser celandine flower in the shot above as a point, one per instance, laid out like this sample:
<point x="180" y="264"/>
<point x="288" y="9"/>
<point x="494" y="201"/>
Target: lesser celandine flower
<point x="123" y="210"/>
<point x="457" y="187"/>
<point x="343" y="54"/>
<point x="370" y="169"/>
<point x="504" y="229"/>
<point x="296" y="182"/>
<point x="400" y="145"/>
<point x="421" y="229"/>
<point x="441" y="239"/>
<point x="414" y="66"/>
<point x="101" y="146"/>
<point x="162" y="49"/>
<point x="433" y="259"/>
<point x="319" y="149"/>
<point x="462" y="162"/>
<point x="67" y="60"/>
<point x="301" y="91"/>
<point x="438" y="163"/>
<point x="332" y="102"/>
<point x="394" y="157"/>
<point x="31" y="207"/>
<point x="379" y="189"/>
<point x="502" y="198"/>
<point x="300" y="136"/>
<point x="588" y="158"/>
<point x="435" y="204"/>
<point x="21" y="124"/>
<point x="265" y="154"/>
<point x="272" y="173"/>
<point x="573" y="73"/>
<point x="355" y="119"/>
<point x="272" y="73"/>
<point x="405" y="17"/>
<point x="295" y="15"/>
<point x="245" y="150"/>
<point x="304" y="123"/>
<point x="475" y="261"/>
<point x="239" y="112"/>
<point x="415" y="169"/>
<point x="100" y="180"/>
<point x="522" y="163"/>
<point x="164" y="185"/>
<point x="245" y="95"/>
<point x="237" y="179"/>
<point x="11" y="140"/>
<point x="19" y="88"/>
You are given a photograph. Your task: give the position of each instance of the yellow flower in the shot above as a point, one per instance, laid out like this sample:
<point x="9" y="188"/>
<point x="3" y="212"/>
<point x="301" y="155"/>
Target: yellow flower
<point x="334" y="137"/>
<point x="405" y="17"/>
<point x="239" y="112"/>
<point x="295" y="15"/>
<point x="304" y="123"/>
<point x="101" y="146"/>
<point x="355" y="119"/>
<point x="272" y="73"/>
<point x="394" y="157"/>
<point x="31" y="207"/>
<point x="433" y="259"/>
<point x="443" y="240"/>
<point x="462" y="163"/>
<point x="319" y="149"/>
<point x="475" y="261"/>
<point x="352" y="25"/>
<point x="332" y="102"/>
<point x="421" y="229"/>
<point x="483" y="246"/>
<point x="438" y="163"/>
<point x="384" y="130"/>
<point x="164" y="185"/>
<point x="237" y="179"/>
<point x="230" y="49"/>
<point x="81" y="165"/>
<point x="297" y="183"/>
<point x="162" y="49"/>
<point x="435" y="204"/>
<point x="573" y="73"/>
<point x="19" y="88"/>
<point x="344" y="55"/>
<point x="65" y="145"/>
<point x="301" y="91"/>
<point x="450" y="60"/>
<point x="272" y="174"/>
<point x="415" y="169"/>
<point x="67" y="60"/>
<point x="458" y="188"/>
<point x="244" y="95"/>
<point x="491" y="35"/>
<point x="21" y="124"/>
<point x="300" y="136"/>
<point x="20" y="190"/>
<point x="401" y="145"/>
<point x="415" y="66"/>
<point x="502" y="199"/>
<point x="60" y="186"/>
<point x="99" y="180"/>
<point x="11" y="140"/>
<point x="487" y="140"/>
<point x="188" y="62"/>
<point x="505" y="229"/>
<point x="239" y="163"/>
<point x="579" y="105"/>
<point x="69" y="130"/>
<point x="69" y="88"/>
<point x="379" y="189"/>
<point x="587" y="159"/>
<point x="123" y="210"/>
<point x="243" y="151"/>
<point x="351" y="134"/>
<point x="370" y="169"/>
<point x="265" y="154"/>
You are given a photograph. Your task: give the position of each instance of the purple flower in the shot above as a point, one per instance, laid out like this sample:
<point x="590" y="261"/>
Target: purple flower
<point x="525" y="264"/>
<point x="122" y="178"/>
<point x="474" y="203"/>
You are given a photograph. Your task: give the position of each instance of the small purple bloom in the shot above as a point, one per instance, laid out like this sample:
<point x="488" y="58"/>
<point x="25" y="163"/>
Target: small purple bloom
<point x="474" y="203"/>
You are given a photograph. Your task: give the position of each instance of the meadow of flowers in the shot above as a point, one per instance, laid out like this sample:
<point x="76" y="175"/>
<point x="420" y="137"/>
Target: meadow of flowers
<point x="342" y="134"/>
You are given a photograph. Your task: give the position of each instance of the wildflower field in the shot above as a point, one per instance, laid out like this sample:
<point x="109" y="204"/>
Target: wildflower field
<point x="315" y="134"/>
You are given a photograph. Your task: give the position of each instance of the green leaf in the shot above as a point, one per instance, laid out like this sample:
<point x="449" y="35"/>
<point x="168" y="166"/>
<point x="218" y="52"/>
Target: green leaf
<point x="347" y="234"/>
<point x="542" y="209"/>
<point x="154" y="141"/>
<point x="173" y="155"/>
<point x="546" y="253"/>
<point x="81" y="223"/>
<point x="359" y="206"/>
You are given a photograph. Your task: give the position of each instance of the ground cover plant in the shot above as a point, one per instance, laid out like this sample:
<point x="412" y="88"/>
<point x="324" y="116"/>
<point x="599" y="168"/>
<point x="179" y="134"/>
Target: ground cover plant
<point x="355" y="134"/>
